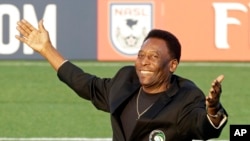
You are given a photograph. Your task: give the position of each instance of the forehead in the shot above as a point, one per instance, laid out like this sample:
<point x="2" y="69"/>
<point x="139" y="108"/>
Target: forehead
<point x="155" y="45"/>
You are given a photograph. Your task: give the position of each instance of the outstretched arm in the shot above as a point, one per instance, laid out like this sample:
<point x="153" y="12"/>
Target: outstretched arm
<point x="213" y="101"/>
<point x="39" y="40"/>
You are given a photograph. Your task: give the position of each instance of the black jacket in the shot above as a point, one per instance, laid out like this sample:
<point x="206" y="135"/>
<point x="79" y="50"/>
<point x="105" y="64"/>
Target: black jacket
<point x="178" y="115"/>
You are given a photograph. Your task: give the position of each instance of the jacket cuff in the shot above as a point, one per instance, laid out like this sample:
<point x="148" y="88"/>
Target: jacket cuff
<point x="223" y="121"/>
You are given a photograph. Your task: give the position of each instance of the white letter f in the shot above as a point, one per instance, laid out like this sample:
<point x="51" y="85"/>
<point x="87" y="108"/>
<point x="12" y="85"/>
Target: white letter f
<point x="222" y="20"/>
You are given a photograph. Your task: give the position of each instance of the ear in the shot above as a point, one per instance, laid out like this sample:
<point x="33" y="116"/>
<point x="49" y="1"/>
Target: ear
<point x="173" y="65"/>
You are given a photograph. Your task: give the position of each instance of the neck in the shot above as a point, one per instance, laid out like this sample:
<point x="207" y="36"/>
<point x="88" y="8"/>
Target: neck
<point x="155" y="90"/>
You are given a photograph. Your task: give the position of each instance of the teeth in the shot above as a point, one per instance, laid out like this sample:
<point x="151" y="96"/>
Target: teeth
<point x="145" y="72"/>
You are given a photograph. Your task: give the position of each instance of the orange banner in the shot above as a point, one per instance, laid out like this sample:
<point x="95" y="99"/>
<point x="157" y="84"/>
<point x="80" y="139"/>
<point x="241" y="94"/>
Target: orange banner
<point x="208" y="31"/>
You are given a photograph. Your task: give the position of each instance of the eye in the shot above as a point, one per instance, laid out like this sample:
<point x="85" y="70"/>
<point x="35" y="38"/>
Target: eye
<point x="154" y="56"/>
<point x="140" y="55"/>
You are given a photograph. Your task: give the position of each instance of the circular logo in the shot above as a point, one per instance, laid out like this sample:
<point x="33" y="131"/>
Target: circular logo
<point x="157" y="135"/>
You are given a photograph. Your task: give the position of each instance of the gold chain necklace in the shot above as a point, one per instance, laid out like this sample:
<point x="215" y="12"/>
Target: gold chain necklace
<point x="137" y="106"/>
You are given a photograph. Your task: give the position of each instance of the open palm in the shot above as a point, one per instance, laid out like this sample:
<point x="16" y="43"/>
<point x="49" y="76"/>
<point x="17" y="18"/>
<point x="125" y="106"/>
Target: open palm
<point x="37" y="39"/>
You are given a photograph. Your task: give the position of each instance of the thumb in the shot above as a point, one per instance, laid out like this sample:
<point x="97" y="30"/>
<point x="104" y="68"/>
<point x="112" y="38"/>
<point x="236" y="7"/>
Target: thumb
<point x="220" y="78"/>
<point x="41" y="26"/>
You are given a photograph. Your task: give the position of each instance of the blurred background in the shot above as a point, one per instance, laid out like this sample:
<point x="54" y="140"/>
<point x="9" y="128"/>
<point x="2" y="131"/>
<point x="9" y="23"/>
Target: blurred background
<point x="112" y="30"/>
<point x="103" y="35"/>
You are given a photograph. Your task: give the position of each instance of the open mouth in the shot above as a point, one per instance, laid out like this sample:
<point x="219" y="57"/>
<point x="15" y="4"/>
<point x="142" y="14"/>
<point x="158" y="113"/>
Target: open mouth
<point x="146" y="72"/>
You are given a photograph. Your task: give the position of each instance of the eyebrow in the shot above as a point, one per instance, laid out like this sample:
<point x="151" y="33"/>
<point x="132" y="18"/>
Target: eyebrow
<point x="157" y="52"/>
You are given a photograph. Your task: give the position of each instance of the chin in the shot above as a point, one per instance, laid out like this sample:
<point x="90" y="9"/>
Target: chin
<point x="144" y="83"/>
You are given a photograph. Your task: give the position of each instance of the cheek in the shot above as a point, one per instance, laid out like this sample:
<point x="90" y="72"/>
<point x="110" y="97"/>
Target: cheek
<point x="163" y="71"/>
<point x="137" y="64"/>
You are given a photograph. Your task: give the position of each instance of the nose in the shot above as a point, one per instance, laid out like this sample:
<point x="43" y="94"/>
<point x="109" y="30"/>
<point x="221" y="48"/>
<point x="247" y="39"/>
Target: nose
<point x="145" y="60"/>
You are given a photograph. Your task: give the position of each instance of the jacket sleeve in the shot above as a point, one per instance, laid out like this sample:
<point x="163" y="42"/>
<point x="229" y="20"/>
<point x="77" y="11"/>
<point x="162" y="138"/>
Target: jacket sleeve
<point x="194" y="116"/>
<point x="87" y="86"/>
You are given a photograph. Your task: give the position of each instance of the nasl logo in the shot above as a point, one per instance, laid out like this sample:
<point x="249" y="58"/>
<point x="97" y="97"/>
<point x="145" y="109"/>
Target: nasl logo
<point x="129" y="24"/>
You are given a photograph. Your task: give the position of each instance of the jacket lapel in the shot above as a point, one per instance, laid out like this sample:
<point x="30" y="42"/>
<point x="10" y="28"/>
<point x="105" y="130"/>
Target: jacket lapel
<point x="122" y="94"/>
<point x="150" y="114"/>
<point x="155" y="109"/>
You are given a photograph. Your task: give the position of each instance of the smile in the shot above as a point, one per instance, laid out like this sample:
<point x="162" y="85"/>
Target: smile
<point x="146" y="72"/>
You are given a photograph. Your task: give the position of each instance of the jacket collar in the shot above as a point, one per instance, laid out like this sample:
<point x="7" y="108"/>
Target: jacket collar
<point x="130" y="88"/>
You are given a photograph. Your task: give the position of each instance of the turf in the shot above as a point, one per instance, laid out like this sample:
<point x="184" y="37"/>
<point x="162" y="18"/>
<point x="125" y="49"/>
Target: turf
<point x="34" y="103"/>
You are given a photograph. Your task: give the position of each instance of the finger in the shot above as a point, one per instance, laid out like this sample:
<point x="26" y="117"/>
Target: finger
<point x="220" y="78"/>
<point x="215" y="84"/>
<point x="22" y="39"/>
<point x="212" y="91"/>
<point x="213" y="94"/>
<point x="22" y="30"/>
<point x="25" y="29"/>
<point x="211" y="102"/>
<point x="41" y="26"/>
<point x="209" y="99"/>
<point x="215" y="91"/>
<point x="217" y="87"/>
<point x="28" y="25"/>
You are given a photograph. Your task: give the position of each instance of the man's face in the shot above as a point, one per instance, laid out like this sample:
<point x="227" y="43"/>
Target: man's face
<point x="153" y="63"/>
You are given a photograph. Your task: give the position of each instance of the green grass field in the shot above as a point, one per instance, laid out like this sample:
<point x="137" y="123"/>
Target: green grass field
<point x="34" y="103"/>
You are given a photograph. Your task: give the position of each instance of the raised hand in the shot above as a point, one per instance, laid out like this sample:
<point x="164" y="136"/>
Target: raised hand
<point x="213" y="98"/>
<point x="37" y="39"/>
